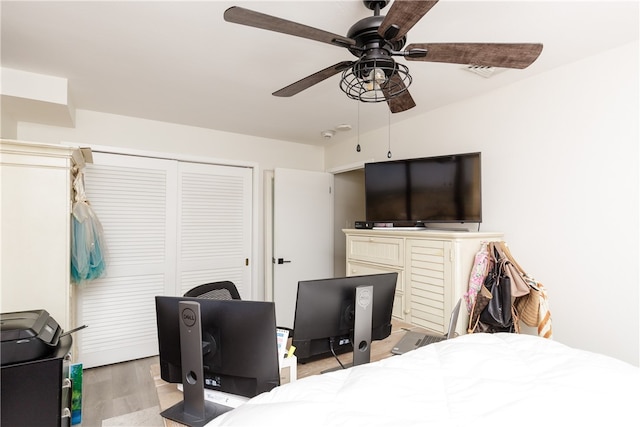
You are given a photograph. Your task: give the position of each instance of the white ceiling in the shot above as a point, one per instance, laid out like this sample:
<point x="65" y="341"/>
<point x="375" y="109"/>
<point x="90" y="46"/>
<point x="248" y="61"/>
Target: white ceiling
<point x="181" y="62"/>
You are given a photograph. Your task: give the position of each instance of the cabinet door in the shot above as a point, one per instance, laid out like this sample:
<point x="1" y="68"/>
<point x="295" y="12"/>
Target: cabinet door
<point x="429" y="286"/>
<point x="34" y="229"/>
<point x="360" y="269"/>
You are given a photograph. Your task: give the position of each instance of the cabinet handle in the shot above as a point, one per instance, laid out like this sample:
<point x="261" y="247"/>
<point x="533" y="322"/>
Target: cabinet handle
<point x="407" y="311"/>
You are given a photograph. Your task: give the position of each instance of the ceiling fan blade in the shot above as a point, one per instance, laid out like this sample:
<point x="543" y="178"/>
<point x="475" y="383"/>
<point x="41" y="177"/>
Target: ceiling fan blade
<point x="402" y="102"/>
<point x="239" y="15"/>
<point x="399" y="103"/>
<point x="507" y="55"/>
<point x="313" y="79"/>
<point x="403" y="15"/>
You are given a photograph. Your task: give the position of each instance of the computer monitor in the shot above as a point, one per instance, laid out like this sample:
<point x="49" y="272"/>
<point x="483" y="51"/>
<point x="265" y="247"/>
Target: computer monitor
<point x="329" y="315"/>
<point x="229" y="346"/>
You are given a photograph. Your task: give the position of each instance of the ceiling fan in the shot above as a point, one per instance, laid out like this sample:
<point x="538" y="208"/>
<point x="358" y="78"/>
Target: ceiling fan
<point x="375" y="76"/>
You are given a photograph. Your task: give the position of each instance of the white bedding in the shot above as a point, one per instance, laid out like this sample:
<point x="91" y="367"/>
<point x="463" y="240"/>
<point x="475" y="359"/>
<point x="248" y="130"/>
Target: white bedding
<point x="480" y="379"/>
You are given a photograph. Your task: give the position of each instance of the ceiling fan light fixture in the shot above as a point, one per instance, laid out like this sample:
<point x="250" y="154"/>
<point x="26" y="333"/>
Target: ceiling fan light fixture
<point x="374" y="40"/>
<point x="369" y="80"/>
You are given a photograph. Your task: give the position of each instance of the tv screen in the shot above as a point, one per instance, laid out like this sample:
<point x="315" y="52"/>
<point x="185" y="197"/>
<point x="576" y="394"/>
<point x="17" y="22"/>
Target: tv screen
<point x="239" y="344"/>
<point x="324" y="314"/>
<point x="432" y="189"/>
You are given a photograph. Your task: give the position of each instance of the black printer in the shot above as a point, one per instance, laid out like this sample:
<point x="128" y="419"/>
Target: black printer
<point x="34" y="385"/>
<point x="27" y="335"/>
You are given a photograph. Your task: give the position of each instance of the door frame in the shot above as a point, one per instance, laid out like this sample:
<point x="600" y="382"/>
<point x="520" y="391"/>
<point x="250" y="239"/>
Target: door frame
<point x="268" y="234"/>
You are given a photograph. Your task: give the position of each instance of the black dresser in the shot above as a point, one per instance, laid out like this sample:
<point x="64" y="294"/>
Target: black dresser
<point x="37" y="392"/>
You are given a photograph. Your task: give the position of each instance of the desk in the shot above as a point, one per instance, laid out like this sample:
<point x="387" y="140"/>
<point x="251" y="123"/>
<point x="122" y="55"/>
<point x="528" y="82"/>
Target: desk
<point x="168" y="394"/>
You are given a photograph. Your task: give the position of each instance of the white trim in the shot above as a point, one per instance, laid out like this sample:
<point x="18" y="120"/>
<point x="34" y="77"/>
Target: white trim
<point x="349" y="167"/>
<point x="164" y="155"/>
<point x="268" y="234"/>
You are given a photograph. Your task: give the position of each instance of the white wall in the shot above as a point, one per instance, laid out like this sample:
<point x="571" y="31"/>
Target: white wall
<point x="95" y="128"/>
<point x="560" y="177"/>
<point x="148" y="136"/>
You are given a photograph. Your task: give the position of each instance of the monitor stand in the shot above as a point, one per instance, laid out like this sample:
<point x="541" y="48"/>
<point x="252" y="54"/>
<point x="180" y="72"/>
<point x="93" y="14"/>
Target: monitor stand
<point x="362" y="325"/>
<point x="194" y="410"/>
<point x="363" y="314"/>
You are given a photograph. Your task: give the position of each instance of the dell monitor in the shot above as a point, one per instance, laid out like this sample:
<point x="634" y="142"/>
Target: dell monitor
<point x="342" y="314"/>
<point x="228" y="346"/>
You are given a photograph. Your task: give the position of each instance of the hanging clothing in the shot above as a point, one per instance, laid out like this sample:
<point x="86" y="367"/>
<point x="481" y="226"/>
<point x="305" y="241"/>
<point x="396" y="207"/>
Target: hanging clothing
<point x="544" y="315"/>
<point x="477" y="275"/>
<point x="530" y="302"/>
<point x="87" y="240"/>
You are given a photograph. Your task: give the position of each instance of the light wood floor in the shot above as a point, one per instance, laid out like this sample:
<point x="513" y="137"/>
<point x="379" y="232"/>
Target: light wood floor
<point x="113" y="390"/>
<point x="123" y="388"/>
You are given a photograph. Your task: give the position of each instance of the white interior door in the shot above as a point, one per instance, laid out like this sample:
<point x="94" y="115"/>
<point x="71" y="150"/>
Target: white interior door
<point x="302" y="235"/>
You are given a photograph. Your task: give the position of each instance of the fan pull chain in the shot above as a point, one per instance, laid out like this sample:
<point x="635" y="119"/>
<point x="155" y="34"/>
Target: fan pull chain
<point x="389" y="136"/>
<point x="358" y="146"/>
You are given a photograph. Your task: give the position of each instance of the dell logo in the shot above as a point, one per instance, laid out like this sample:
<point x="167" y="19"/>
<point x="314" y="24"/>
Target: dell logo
<point x="188" y="317"/>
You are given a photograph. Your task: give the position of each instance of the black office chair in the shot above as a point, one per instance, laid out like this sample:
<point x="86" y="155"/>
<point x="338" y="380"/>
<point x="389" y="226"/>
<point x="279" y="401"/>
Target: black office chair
<point x="225" y="290"/>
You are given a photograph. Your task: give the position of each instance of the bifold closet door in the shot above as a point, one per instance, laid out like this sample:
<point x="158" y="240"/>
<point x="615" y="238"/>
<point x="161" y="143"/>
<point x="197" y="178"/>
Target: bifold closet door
<point x="135" y="199"/>
<point x="214" y="226"/>
<point x="168" y="226"/>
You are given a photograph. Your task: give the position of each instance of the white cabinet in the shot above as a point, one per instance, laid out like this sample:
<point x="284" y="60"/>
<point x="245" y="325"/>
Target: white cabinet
<point x="355" y="268"/>
<point x="36" y="208"/>
<point x="433" y="269"/>
<point x="368" y="254"/>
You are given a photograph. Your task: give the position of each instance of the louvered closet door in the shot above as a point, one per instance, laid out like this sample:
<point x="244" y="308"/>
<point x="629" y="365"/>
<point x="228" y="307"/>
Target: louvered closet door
<point x="168" y="226"/>
<point x="214" y="231"/>
<point x="135" y="199"/>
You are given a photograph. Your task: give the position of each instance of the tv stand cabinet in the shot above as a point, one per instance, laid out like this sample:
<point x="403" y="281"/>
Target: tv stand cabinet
<point x="433" y="269"/>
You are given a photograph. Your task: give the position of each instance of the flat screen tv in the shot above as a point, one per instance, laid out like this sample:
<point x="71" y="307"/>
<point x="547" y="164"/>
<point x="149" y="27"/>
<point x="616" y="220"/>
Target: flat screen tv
<point x="325" y="314"/>
<point x="413" y="192"/>
<point x="235" y="349"/>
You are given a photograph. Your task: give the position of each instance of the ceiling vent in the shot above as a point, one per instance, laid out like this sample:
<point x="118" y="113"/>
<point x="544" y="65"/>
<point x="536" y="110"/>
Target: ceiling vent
<point x="481" y="70"/>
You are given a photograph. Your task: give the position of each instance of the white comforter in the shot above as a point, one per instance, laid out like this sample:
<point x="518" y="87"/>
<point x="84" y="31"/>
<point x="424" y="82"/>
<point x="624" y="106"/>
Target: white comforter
<point x="473" y="380"/>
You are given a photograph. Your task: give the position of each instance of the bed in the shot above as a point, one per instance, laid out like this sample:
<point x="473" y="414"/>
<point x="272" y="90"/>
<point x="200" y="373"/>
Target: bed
<point x="473" y="380"/>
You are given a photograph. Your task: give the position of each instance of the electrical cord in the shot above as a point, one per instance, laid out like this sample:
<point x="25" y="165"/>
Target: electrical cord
<point x="334" y="352"/>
